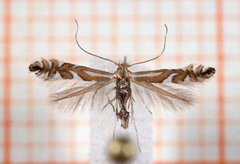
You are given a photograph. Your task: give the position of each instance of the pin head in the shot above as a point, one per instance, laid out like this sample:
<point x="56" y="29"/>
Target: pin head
<point x="121" y="150"/>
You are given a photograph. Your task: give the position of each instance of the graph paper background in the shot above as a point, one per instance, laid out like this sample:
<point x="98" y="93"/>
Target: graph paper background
<point x="200" y="31"/>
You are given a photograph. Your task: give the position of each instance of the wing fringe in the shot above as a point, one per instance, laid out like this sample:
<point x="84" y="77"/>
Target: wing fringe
<point x="176" y="97"/>
<point x="79" y="96"/>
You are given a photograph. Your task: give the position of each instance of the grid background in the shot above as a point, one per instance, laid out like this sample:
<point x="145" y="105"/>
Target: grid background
<point x="200" y="31"/>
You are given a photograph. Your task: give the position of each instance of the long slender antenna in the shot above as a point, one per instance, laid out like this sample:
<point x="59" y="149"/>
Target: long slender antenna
<point x="165" y="38"/>
<point x="87" y="51"/>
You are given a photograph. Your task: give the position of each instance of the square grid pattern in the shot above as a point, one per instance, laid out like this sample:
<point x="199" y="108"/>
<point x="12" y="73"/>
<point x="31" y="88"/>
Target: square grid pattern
<point x="200" y="31"/>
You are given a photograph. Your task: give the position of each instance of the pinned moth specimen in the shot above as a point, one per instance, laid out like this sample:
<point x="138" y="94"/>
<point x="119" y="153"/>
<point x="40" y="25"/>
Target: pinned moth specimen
<point x="168" y="87"/>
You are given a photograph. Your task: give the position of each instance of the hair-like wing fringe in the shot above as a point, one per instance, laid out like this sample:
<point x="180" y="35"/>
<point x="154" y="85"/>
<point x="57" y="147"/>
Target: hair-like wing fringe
<point x="169" y="96"/>
<point x="69" y="95"/>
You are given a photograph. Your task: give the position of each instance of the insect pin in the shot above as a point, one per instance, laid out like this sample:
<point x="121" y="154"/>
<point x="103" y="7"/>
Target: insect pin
<point x="166" y="87"/>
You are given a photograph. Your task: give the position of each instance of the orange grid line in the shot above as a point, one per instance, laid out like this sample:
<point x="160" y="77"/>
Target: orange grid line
<point x="220" y="81"/>
<point x="7" y="81"/>
<point x="51" y="19"/>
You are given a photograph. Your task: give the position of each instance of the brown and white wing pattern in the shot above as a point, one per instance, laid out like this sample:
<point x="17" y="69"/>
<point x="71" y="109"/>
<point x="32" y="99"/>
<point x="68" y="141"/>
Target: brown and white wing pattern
<point x="72" y="86"/>
<point x="171" y="88"/>
<point x="184" y="75"/>
<point x="54" y="69"/>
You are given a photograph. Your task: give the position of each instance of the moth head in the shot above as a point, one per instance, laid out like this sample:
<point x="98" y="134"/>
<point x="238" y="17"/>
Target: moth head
<point x="122" y="72"/>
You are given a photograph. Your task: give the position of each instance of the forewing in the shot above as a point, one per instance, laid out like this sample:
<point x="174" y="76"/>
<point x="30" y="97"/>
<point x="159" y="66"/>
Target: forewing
<point x="71" y="86"/>
<point x="54" y="69"/>
<point x="187" y="75"/>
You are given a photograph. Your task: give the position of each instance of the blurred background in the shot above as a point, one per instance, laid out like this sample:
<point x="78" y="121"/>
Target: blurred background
<point x="200" y="32"/>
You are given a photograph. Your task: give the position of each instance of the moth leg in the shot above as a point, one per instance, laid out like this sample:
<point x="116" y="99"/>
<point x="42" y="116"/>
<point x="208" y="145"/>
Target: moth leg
<point x="132" y="113"/>
<point x="96" y="93"/>
<point x="131" y="103"/>
<point x="131" y="100"/>
<point x="116" y="118"/>
<point x="109" y="101"/>
<point x="142" y="98"/>
<point x="117" y="106"/>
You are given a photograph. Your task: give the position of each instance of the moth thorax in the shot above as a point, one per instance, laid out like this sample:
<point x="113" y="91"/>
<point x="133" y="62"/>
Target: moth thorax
<point x="122" y="74"/>
<point x="123" y="83"/>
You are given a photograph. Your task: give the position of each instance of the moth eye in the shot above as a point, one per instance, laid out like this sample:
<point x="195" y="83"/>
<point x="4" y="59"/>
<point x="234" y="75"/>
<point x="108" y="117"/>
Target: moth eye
<point x="35" y="67"/>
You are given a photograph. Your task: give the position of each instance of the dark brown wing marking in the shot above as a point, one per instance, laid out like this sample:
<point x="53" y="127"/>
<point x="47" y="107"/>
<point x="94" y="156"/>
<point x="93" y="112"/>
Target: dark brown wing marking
<point x="180" y="75"/>
<point x="192" y="75"/>
<point x="158" y="76"/>
<point x="188" y="74"/>
<point x="48" y="69"/>
<point x="206" y="73"/>
<point x="152" y="76"/>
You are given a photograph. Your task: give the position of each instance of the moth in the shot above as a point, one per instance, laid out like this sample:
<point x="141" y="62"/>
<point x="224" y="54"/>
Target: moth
<point x="169" y="87"/>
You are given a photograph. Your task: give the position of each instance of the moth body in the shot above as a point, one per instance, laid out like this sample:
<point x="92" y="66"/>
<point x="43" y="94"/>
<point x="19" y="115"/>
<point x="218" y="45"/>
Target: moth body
<point x="123" y="95"/>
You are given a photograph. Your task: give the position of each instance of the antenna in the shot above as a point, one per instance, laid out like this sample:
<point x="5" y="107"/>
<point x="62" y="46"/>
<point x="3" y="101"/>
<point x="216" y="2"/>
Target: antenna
<point x="87" y="51"/>
<point x="165" y="38"/>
